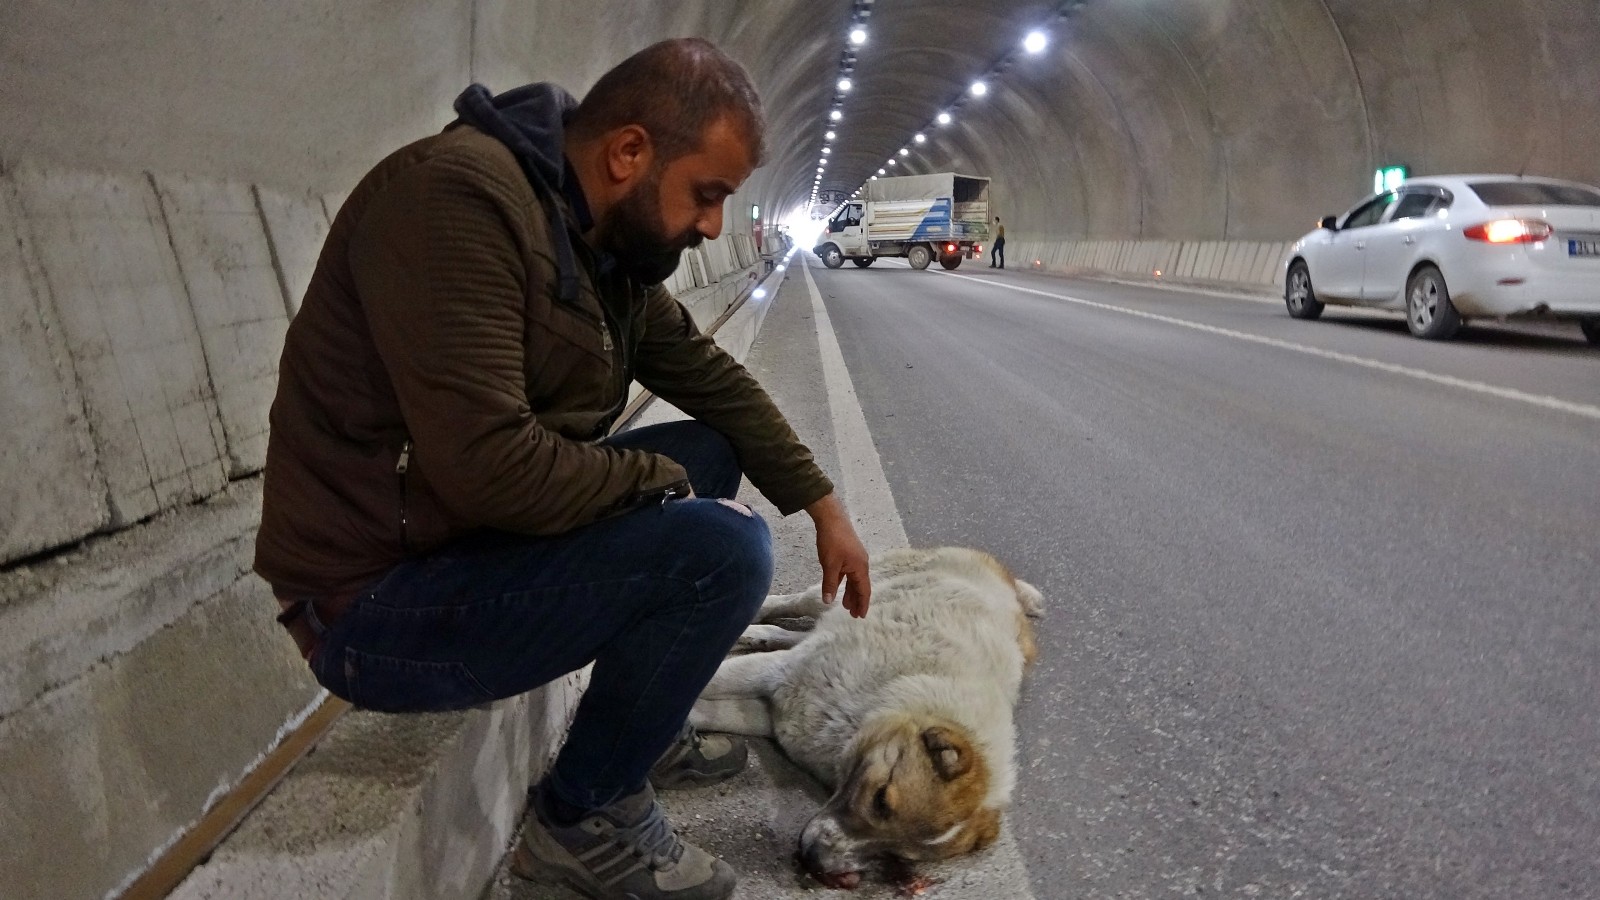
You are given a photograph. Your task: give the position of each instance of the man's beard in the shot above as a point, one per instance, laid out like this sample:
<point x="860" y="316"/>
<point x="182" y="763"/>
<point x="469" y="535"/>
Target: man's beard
<point x="636" y="237"/>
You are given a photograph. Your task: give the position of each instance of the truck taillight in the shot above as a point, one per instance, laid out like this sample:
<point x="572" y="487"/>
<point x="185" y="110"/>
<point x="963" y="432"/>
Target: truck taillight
<point x="1509" y="231"/>
<point x="949" y="248"/>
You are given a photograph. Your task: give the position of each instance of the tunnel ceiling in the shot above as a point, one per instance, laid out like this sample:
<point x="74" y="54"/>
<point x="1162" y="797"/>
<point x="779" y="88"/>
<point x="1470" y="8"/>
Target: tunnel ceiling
<point x="1142" y="119"/>
<point x="919" y="58"/>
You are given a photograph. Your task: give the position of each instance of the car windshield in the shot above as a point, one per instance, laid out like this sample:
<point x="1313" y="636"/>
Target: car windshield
<point x="1534" y="193"/>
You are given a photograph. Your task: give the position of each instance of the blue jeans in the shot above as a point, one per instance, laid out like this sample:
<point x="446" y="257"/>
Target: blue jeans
<point x="654" y="598"/>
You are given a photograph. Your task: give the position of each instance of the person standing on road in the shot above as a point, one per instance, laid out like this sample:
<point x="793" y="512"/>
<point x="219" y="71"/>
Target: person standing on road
<point x="445" y="521"/>
<point x="997" y="253"/>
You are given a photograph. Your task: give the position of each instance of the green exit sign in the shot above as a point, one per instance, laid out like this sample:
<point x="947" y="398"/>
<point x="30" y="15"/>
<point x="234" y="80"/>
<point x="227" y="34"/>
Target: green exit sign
<point x="1389" y="177"/>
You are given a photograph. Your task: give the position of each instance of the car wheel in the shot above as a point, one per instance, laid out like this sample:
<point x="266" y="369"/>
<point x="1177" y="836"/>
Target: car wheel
<point x="831" y="257"/>
<point x="1298" y="294"/>
<point x="920" y="257"/>
<point x="1591" y="328"/>
<point x="1429" y="313"/>
<point x="950" y="260"/>
<point x="863" y="261"/>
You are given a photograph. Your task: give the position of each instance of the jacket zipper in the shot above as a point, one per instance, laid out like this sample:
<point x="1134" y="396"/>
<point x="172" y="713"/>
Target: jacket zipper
<point x="400" y="473"/>
<point x="619" y="367"/>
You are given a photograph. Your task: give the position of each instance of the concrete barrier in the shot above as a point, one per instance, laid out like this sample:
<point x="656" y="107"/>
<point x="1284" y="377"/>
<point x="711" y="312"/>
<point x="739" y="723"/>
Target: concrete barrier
<point x="139" y="675"/>
<point x="1246" y="265"/>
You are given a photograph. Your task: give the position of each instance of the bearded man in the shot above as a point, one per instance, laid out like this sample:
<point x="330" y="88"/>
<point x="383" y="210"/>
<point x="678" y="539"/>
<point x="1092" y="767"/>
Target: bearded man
<point x="446" y="521"/>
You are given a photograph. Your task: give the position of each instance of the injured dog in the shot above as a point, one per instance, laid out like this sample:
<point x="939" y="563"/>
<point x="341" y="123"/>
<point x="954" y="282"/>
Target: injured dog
<point x="905" y="714"/>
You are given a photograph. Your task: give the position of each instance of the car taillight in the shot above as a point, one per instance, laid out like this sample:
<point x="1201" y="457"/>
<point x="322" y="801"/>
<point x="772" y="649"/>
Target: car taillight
<point x="1509" y="231"/>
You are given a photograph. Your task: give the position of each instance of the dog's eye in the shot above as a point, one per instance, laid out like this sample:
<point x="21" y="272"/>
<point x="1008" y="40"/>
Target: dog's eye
<point x="880" y="803"/>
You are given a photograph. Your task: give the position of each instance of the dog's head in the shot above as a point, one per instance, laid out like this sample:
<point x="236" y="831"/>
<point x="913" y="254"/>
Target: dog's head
<point x="917" y="790"/>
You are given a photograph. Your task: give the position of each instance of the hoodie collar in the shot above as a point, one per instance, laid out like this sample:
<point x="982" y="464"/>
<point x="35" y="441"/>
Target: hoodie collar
<point x="531" y="122"/>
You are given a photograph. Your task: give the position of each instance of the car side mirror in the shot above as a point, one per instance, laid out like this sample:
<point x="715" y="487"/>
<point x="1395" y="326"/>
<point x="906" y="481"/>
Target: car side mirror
<point x="1329" y="222"/>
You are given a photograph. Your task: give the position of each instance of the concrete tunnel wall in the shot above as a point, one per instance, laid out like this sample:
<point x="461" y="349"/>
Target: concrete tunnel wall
<point x="167" y="174"/>
<point x="1200" y="120"/>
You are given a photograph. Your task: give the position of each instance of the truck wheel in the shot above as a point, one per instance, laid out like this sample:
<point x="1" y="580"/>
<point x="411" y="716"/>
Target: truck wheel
<point x="831" y="257"/>
<point x="919" y="256"/>
<point x="863" y="261"/>
<point x="950" y="260"/>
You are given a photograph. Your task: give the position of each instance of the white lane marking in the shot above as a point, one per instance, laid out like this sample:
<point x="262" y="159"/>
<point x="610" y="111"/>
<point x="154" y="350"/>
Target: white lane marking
<point x="1492" y="390"/>
<point x="866" y="487"/>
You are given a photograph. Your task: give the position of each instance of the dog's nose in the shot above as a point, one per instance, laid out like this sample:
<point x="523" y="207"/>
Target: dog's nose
<point x="820" y="843"/>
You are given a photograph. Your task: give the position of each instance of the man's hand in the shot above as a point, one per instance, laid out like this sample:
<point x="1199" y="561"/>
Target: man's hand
<point x="842" y="555"/>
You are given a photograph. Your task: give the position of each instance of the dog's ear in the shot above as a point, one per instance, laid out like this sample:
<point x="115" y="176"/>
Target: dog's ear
<point x="952" y="756"/>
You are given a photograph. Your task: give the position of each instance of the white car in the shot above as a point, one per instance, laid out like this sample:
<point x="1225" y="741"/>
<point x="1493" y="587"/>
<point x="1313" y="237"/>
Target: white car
<point x="1448" y="248"/>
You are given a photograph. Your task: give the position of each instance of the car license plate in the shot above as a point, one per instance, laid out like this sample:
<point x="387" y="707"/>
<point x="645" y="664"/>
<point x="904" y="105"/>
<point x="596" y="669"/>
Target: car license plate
<point x="1583" y="248"/>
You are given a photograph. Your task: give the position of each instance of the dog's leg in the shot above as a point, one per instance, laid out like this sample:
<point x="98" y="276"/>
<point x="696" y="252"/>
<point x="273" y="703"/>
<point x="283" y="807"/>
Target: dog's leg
<point x="733" y="715"/>
<point x="808" y="603"/>
<point x="754" y="675"/>
<point x="762" y="638"/>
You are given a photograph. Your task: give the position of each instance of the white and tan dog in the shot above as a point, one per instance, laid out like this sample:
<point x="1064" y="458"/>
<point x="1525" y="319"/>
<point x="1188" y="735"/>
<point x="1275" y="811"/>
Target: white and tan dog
<point x="906" y="714"/>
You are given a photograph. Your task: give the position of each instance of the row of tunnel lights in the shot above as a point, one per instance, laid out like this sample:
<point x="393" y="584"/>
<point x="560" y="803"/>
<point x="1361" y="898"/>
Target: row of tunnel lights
<point x="1034" y="43"/>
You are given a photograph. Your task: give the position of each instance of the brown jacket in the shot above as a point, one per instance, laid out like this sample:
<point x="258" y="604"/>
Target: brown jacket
<point x="434" y="382"/>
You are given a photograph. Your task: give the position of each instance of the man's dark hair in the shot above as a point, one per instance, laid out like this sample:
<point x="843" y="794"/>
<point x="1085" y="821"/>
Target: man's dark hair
<point x="675" y="89"/>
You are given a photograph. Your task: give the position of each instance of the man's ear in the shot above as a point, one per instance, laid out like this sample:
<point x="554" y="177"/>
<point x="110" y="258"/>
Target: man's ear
<point x="629" y="154"/>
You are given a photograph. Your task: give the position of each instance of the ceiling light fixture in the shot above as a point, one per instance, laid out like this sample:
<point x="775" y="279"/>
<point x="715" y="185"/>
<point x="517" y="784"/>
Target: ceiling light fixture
<point x="836" y="115"/>
<point x="904" y="152"/>
<point x="829" y="136"/>
<point x="979" y="89"/>
<point x="858" y="35"/>
<point x="944" y="118"/>
<point x="844" y="84"/>
<point x="921" y="138"/>
<point x="1035" y="42"/>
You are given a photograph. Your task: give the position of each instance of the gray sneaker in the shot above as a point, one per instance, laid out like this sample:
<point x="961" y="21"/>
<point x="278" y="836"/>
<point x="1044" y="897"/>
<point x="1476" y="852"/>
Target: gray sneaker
<point x="698" y="760"/>
<point x="626" y="851"/>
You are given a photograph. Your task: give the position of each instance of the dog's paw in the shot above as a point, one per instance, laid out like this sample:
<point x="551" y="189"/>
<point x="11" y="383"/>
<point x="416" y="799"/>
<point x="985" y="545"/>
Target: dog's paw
<point x="767" y="638"/>
<point x="1032" y="601"/>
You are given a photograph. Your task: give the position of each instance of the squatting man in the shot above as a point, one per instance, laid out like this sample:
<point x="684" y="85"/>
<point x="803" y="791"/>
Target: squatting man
<point x="445" y="520"/>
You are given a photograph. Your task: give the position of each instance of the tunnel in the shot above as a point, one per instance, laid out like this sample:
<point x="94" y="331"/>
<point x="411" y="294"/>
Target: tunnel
<point x="169" y="172"/>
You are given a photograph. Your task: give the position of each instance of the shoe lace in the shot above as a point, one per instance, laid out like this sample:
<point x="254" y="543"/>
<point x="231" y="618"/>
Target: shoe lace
<point x="652" y="837"/>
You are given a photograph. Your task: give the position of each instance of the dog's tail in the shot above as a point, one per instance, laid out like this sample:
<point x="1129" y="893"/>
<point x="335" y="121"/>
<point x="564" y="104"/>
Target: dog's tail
<point x="1032" y="601"/>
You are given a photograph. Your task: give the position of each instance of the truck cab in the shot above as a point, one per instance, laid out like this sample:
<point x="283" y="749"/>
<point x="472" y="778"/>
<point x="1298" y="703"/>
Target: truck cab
<point x="847" y="234"/>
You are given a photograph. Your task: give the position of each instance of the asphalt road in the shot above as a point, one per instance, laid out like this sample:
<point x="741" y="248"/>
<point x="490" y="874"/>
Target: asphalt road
<point x="1323" y="597"/>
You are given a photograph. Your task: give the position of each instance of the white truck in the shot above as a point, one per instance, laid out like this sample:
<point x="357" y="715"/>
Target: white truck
<point x="943" y="216"/>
